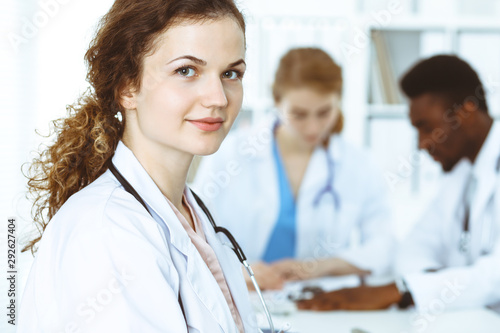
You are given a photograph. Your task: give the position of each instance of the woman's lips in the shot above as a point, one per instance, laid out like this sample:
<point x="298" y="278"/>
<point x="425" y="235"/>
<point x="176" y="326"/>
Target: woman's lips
<point x="208" y="124"/>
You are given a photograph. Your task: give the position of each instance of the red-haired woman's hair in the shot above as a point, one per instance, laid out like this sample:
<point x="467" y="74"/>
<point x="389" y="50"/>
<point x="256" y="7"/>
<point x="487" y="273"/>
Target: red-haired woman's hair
<point x="309" y="68"/>
<point x="87" y="138"/>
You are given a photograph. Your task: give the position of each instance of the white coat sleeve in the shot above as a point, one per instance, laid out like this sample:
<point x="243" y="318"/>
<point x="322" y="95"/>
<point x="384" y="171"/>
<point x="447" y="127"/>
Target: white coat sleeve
<point x="423" y="247"/>
<point x="458" y="287"/>
<point x="377" y="242"/>
<point x="109" y="274"/>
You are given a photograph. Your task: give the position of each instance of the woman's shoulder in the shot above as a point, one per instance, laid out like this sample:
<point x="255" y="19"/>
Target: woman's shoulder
<point x="88" y="204"/>
<point x="104" y="210"/>
<point x="97" y="240"/>
<point x="96" y="194"/>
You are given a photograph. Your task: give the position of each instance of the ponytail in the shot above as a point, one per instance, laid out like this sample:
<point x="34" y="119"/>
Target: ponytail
<point x="86" y="141"/>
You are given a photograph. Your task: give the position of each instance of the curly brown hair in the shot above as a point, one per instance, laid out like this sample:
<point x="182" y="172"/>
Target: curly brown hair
<point x="87" y="138"/>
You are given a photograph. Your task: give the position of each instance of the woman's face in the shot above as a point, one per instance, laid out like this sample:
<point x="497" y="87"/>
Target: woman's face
<point x="309" y="115"/>
<point x="191" y="89"/>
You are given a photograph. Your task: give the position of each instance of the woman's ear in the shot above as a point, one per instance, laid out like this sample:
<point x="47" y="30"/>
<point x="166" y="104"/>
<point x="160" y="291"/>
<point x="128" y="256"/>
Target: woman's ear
<point x="128" y="98"/>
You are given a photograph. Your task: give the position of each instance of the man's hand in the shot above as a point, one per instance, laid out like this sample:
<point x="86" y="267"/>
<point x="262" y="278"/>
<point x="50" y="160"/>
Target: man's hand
<point x="266" y="277"/>
<point x="360" y="298"/>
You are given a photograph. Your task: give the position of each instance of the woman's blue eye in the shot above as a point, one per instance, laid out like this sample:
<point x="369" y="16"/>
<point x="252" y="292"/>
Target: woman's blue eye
<point x="231" y="75"/>
<point x="186" y="71"/>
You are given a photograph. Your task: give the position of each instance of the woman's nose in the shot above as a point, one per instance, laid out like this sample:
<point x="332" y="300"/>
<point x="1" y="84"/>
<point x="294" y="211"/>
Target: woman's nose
<point x="214" y="94"/>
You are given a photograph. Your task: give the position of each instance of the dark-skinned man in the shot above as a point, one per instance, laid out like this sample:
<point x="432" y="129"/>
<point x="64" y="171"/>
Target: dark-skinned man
<point x="451" y="258"/>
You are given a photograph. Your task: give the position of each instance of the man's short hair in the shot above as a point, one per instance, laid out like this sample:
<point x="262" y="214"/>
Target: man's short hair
<point x="446" y="76"/>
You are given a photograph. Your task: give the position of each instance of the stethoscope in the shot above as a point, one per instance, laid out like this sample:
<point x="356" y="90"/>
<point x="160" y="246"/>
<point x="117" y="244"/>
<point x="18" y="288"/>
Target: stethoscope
<point x="465" y="235"/>
<point x="328" y="188"/>
<point x="235" y="246"/>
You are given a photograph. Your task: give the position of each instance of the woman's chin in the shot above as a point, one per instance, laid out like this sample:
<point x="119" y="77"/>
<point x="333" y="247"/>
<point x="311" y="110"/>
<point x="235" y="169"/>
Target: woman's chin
<point x="206" y="149"/>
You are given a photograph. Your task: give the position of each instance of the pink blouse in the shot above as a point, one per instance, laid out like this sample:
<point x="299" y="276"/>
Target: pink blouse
<point x="198" y="239"/>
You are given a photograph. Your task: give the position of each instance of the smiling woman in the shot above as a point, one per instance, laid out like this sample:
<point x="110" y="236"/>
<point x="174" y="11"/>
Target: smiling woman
<point x="166" y="84"/>
<point x="202" y="88"/>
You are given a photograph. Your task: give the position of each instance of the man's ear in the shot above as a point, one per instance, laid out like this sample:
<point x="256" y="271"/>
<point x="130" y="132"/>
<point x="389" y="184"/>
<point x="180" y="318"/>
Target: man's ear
<point x="128" y="98"/>
<point x="470" y="106"/>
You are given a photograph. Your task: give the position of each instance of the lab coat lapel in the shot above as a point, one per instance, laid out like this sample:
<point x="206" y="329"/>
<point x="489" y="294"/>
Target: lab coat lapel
<point x="231" y="268"/>
<point x="313" y="221"/>
<point x="208" y="291"/>
<point x="305" y="219"/>
<point x="316" y="175"/>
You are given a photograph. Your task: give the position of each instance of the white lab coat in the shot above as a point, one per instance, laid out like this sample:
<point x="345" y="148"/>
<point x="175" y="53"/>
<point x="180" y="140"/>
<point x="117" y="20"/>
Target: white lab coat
<point x="240" y="184"/>
<point x="434" y="241"/>
<point x="105" y="265"/>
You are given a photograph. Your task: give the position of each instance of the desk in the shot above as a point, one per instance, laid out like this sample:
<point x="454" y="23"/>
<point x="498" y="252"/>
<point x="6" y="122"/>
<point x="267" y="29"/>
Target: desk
<point x="481" y="320"/>
<point x="390" y="321"/>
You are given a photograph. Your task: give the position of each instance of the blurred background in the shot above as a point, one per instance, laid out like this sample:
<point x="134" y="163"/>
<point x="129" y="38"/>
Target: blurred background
<point x="42" y="70"/>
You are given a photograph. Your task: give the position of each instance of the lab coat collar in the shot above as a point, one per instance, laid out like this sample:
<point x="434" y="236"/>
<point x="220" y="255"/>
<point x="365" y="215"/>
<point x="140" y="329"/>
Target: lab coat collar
<point x="130" y="167"/>
<point x="484" y="169"/>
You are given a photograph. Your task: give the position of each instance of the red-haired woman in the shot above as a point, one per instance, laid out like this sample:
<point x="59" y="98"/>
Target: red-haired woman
<point x="125" y="245"/>
<point x="301" y="200"/>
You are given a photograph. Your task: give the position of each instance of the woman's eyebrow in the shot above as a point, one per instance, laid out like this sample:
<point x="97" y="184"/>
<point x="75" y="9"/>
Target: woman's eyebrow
<point x="236" y="63"/>
<point x="193" y="59"/>
<point x="204" y="63"/>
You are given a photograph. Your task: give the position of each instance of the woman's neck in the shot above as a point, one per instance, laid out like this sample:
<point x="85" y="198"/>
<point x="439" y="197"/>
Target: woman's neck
<point x="167" y="166"/>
